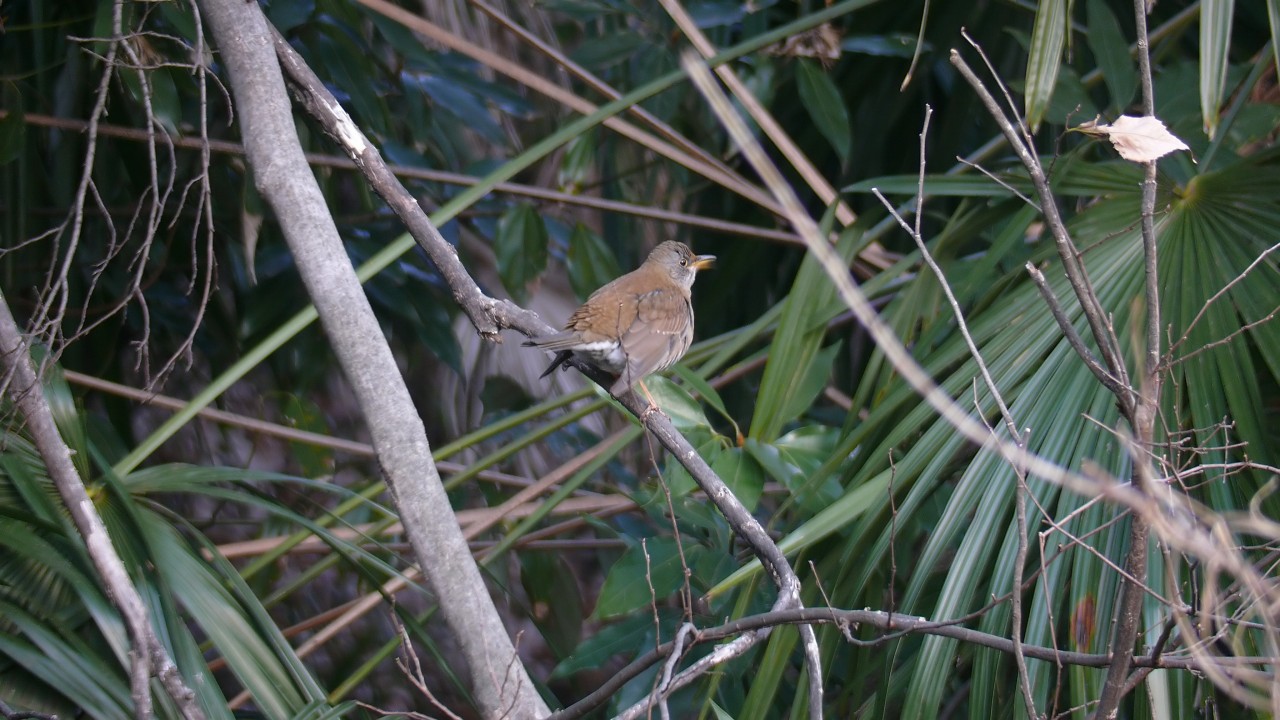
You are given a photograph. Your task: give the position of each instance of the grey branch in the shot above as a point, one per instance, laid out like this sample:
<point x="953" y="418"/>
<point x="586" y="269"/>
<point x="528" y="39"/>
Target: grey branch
<point x="499" y="681"/>
<point x="147" y="655"/>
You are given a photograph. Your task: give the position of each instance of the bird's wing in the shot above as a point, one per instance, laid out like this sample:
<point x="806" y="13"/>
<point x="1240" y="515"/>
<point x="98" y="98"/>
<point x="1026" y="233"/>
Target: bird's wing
<point x="660" y="334"/>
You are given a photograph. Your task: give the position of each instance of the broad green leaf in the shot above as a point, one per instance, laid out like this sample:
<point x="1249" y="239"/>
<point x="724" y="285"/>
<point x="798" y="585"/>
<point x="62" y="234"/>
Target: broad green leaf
<point x="685" y="412"/>
<point x="622" y="637"/>
<point x="600" y="53"/>
<point x="1112" y="53"/>
<point x="1044" y="58"/>
<point x="578" y="167"/>
<point x="590" y="263"/>
<point x="703" y="389"/>
<point x="822" y="100"/>
<point x="743" y="476"/>
<point x="1215" y="44"/>
<point x="811" y="383"/>
<point x="555" y="600"/>
<point x="645" y="574"/>
<point x="454" y="98"/>
<point x="521" y="247"/>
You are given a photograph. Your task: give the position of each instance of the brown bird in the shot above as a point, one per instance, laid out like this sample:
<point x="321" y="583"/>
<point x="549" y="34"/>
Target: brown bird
<point x="639" y="324"/>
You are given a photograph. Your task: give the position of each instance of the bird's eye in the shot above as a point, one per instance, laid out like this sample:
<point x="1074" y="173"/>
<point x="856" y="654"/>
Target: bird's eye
<point x="684" y="262"/>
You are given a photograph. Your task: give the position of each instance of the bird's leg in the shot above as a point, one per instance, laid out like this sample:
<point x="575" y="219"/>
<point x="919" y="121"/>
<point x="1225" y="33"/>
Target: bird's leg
<point x="653" y="406"/>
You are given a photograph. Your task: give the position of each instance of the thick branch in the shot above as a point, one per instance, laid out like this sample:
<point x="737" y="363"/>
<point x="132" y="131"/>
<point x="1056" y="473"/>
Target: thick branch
<point x="147" y="655"/>
<point x="500" y="684"/>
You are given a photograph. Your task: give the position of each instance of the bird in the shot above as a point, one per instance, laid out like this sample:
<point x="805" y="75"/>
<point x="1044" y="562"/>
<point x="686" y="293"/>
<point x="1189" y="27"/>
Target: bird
<point x="638" y="324"/>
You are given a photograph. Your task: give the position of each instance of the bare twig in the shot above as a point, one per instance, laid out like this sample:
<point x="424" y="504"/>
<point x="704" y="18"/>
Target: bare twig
<point x="1218" y="296"/>
<point x="895" y="626"/>
<point x="414" y="673"/>
<point x="1096" y="315"/>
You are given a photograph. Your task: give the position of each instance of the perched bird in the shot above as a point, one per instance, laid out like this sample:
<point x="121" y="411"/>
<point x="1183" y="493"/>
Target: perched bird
<point x="636" y="325"/>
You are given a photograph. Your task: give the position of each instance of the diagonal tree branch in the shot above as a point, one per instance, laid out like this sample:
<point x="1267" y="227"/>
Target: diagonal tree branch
<point x="147" y="656"/>
<point x="500" y="684"/>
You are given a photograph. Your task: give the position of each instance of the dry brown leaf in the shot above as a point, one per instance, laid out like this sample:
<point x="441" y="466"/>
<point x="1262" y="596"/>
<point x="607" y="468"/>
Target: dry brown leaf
<point x="1138" y="139"/>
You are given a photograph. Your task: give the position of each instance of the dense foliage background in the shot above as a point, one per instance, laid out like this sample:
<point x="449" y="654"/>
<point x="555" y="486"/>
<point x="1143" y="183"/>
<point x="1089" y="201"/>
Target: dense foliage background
<point x="153" y="267"/>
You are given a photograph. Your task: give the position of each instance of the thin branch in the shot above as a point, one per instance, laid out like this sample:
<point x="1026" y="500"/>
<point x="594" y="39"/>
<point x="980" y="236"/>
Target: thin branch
<point x="896" y="625"/>
<point x="1069" y="331"/>
<point x="1213" y="299"/>
<point x="1067" y="251"/>
<point x="1000" y="181"/>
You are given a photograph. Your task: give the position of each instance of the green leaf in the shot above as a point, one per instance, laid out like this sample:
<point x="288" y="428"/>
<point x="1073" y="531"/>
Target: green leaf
<point x="685" y="412"/>
<point x="1112" y="53"/>
<point x="1215" y="44"/>
<point x="556" y="601"/>
<point x="811" y="383"/>
<point x="1045" y="58"/>
<point x="578" y="166"/>
<point x="622" y="637"/>
<point x="645" y="574"/>
<point x="521" y="248"/>
<point x="822" y="99"/>
<point x="590" y="263"/>
<point x="605" y="51"/>
<point x="742" y="474"/>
